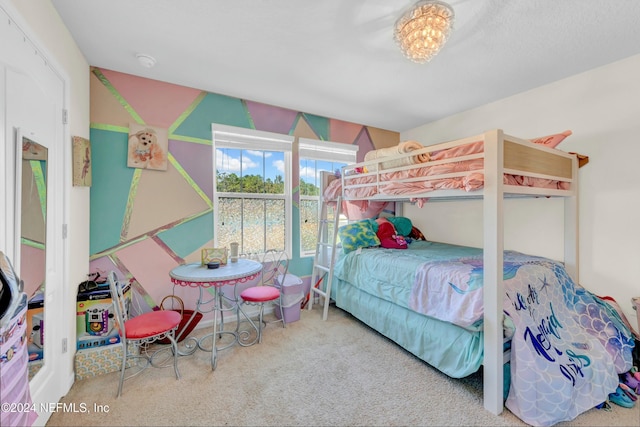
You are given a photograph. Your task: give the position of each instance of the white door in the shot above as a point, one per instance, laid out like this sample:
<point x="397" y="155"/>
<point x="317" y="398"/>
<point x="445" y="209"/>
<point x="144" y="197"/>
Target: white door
<point x="31" y="117"/>
<point x="32" y="101"/>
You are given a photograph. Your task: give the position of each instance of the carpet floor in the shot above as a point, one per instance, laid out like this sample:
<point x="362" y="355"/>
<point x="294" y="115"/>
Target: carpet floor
<point x="336" y="372"/>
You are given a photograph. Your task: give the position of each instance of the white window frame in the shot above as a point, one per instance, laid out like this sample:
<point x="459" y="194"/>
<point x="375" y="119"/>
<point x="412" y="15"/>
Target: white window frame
<point x="328" y="151"/>
<point x="233" y="137"/>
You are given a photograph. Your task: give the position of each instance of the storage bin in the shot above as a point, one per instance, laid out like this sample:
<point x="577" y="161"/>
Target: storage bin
<point x="291" y="314"/>
<point x="99" y="360"/>
<point x="291" y="287"/>
<point x="292" y="284"/>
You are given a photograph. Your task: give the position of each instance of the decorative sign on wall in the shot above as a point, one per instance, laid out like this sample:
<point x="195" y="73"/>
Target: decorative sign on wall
<point x="81" y="162"/>
<point x="147" y="147"/>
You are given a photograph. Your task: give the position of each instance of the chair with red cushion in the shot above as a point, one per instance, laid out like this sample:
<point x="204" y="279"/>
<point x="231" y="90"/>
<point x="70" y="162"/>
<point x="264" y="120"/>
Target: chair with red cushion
<point x="274" y="264"/>
<point x="139" y="332"/>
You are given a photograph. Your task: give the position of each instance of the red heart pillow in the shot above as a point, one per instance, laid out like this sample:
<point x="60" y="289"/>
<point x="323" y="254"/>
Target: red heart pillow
<point x="388" y="236"/>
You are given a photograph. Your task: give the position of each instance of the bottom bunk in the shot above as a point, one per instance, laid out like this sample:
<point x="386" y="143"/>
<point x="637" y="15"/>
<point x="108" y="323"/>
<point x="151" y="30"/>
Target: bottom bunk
<point x="455" y="351"/>
<point x="567" y="346"/>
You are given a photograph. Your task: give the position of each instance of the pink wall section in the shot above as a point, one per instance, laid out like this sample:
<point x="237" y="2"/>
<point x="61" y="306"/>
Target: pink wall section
<point x="149" y="264"/>
<point x="32" y="270"/>
<point x="159" y="103"/>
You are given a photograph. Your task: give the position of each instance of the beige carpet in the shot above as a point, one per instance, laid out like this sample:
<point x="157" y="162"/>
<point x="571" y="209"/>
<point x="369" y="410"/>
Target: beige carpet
<point x="313" y="373"/>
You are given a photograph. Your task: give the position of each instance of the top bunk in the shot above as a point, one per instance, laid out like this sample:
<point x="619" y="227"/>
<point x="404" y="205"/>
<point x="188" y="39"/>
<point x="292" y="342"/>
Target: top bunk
<point x="464" y="168"/>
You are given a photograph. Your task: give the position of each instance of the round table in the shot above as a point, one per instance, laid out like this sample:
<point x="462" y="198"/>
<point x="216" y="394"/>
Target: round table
<point x="200" y="276"/>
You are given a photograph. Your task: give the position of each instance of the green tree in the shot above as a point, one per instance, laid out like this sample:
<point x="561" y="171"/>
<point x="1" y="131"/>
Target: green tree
<point x="275" y="186"/>
<point x="228" y="182"/>
<point x="308" y="189"/>
<point x="253" y="184"/>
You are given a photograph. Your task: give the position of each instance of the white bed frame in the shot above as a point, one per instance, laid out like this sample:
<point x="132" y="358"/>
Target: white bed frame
<point x="502" y="154"/>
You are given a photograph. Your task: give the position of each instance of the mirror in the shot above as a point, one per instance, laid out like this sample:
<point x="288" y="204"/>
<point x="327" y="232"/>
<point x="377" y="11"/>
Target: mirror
<point x="33" y="220"/>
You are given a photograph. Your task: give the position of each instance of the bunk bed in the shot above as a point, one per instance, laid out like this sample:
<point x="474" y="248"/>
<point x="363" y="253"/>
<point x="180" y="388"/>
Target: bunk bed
<point x="391" y="290"/>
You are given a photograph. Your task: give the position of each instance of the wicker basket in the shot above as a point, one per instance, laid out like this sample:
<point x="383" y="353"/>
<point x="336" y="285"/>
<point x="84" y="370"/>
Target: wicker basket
<point x="187" y="324"/>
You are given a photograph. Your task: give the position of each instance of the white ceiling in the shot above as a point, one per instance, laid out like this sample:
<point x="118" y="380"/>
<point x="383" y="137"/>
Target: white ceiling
<point x="337" y="58"/>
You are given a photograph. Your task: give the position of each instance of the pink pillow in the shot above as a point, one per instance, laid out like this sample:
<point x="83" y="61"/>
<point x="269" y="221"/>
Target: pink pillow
<point x="551" y="141"/>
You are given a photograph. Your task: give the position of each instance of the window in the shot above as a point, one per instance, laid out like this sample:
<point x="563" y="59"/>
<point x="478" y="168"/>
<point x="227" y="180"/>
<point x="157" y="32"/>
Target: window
<point x="252" y="189"/>
<point x="317" y="156"/>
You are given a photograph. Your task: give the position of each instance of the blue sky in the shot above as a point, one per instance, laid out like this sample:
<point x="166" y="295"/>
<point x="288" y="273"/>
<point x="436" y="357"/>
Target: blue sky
<point x="253" y="163"/>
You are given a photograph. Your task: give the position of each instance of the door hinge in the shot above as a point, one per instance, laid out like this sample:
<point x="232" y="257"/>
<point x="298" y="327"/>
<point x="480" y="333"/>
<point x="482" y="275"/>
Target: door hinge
<point x="65" y="116"/>
<point x="64" y="231"/>
<point x="64" y="345"/>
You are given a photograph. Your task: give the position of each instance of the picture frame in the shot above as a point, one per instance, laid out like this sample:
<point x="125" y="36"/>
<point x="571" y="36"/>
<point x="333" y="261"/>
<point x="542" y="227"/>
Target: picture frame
<point x="81" y="153"/>
<point x="214" y="254"/>
<point x="148" y="147"/>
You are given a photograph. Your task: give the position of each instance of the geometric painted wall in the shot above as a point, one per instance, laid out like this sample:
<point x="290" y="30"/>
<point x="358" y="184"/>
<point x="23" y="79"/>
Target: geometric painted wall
<point x="145" y="222"/>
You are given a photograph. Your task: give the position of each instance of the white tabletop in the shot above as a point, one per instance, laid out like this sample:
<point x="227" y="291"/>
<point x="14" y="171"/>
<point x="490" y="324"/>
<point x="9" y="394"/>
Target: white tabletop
<point x="197" y="274"/>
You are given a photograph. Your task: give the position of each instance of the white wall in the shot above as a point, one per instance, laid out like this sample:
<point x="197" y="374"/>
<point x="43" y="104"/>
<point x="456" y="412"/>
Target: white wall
<point x="602" y="108"/>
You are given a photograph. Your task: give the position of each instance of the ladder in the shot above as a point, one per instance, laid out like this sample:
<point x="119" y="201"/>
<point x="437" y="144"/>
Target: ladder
<point x="325" y="257"/>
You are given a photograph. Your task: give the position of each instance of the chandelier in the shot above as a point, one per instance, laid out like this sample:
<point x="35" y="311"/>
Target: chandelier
<point x="421" y="31"/>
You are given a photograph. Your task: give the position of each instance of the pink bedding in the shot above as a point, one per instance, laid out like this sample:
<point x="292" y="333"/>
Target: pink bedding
<point x="469" y="177"/>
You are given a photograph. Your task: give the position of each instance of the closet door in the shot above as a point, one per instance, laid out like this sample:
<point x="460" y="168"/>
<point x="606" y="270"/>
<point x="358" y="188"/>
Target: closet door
<point x="34" y="122"/>
<point x="33" y="98"/>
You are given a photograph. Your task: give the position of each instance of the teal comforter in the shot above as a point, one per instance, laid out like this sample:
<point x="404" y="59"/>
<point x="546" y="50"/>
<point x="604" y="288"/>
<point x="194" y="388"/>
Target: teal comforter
<point x="567" y="347"/>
